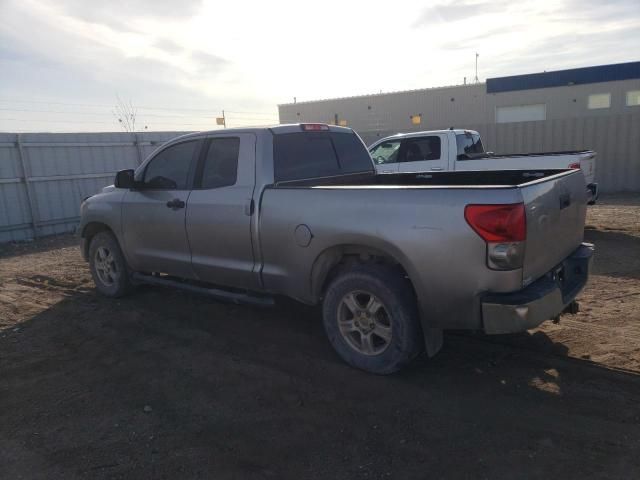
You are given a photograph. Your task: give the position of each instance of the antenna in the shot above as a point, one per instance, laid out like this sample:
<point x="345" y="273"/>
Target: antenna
<point x="476" y="79"/>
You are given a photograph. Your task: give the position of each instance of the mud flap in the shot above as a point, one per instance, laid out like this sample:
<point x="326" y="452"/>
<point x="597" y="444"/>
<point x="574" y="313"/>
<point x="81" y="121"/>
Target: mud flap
<point x="433" y="339"/>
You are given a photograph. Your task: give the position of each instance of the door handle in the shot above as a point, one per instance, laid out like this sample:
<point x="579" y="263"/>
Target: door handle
<point x="436" y="168"/>
<point x="387" y="171"/>
<point x="175" y="204"/>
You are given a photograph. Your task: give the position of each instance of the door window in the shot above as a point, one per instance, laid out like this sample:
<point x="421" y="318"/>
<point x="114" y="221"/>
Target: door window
<point x="221" y="164"/>
<point x="421" y="149"/>
<point x="386" y="152"/>
<point x="169" y="169"/>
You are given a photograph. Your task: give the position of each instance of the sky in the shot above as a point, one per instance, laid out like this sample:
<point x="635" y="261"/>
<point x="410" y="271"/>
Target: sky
<point x="65" y="63"/>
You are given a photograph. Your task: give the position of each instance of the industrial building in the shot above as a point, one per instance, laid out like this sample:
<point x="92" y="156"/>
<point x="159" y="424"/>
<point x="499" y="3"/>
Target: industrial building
<point x="595" y="108"/>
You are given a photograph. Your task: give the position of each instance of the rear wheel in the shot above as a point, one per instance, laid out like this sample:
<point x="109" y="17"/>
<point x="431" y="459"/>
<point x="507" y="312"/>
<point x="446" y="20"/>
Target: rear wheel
<point x="371" y="318"/>
<point x="108" y="266"/>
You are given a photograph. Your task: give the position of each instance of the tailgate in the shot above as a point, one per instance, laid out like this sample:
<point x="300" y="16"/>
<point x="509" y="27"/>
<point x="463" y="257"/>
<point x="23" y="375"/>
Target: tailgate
<point x="555" y="210"/>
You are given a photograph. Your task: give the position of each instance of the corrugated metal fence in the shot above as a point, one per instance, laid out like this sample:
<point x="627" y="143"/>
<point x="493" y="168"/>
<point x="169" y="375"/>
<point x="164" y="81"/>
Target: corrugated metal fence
<point x="45" y="176"/>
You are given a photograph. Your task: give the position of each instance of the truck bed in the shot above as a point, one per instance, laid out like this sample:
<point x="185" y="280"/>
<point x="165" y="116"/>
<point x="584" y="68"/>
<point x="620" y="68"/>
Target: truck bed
<point x="466" y="179"/>
<point x="418" y="219"/>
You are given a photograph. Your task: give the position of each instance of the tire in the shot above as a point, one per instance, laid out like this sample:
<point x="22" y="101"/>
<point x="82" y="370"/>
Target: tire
<point x="393" y="329"/>
<point x="108" y="266"/>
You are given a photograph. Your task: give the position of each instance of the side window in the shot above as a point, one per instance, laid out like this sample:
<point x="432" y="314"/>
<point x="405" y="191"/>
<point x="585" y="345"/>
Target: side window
<point x="423" y="148"/>
<point x="221" y="165"/>
<point x="469" y="146"/>
<point x="169" y="170"/>
<point x="386" y="152"/>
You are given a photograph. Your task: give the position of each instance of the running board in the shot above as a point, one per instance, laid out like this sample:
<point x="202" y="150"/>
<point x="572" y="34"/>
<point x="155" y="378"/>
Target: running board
<point x="217" y="293"/>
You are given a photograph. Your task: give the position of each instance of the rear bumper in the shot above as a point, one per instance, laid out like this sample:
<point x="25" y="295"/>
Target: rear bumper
<point x="545" y="298"/>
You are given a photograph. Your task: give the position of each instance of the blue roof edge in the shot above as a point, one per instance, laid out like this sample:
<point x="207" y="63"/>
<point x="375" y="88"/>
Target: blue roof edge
<point x="560" y="78"/>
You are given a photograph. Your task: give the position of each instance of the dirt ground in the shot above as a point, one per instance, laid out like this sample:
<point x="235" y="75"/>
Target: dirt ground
<point x="165" y="384"/>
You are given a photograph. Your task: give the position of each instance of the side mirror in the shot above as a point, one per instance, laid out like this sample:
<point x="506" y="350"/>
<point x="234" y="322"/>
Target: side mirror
<point x="124" y="179"/>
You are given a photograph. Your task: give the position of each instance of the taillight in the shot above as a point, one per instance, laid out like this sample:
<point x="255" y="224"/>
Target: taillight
<point x="574" y="165"/>
<point x="314" y="127"/>
<point x="498" y="223"/>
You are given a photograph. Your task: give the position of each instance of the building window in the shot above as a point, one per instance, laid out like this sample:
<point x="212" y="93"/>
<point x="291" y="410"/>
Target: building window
<point x="633" y="98"/>
<point x="416" y="119"/>
<point x="521" y="113"/>
<point x="599" y="100"/>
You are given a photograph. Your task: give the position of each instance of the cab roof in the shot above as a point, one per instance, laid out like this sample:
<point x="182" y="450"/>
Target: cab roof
<point x="456" y="131"/>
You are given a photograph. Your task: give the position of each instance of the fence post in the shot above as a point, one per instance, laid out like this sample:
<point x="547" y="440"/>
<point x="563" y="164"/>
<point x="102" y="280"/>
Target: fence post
<point x="138" y="148"/>
<point x="26" y="177"/>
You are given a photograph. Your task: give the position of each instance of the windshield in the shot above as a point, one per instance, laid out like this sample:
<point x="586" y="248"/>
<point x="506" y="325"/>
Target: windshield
<point x="385" y="152"/>
<point x="469" y="146"/>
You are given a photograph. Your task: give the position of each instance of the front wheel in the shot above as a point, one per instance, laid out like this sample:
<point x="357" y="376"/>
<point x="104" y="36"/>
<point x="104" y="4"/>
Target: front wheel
<point x="371" y="318"/>
<point x="108" y="266"/>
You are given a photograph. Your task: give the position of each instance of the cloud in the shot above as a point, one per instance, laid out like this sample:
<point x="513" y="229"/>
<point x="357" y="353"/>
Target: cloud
<point x="524" y="37"/>
<point x="457" y="10"/>
<point x="69" y="60"/>
<point x="210" y="53"/>
<point x="572" y="50"/>
<point x="471" y="42"/>
<point x="599" y="15"/>
<point x="118" y="12"/>
<point x="209" y="64"/>
<point x="168" y="46"/>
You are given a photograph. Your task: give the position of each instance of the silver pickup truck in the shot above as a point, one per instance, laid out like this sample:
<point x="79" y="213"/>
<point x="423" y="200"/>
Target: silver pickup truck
<point x="298" y="210"/>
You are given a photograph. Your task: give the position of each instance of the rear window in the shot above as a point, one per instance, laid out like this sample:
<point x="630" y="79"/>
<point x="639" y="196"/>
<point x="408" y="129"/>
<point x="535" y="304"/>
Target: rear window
<point x="469" y="146"/>
<point x="318" y="154"/>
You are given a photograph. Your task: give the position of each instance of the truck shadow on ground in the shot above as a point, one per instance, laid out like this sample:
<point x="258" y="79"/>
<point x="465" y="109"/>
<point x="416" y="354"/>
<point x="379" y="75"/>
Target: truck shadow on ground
<point x="617" y="253"/>
<point x="169" y="384"/>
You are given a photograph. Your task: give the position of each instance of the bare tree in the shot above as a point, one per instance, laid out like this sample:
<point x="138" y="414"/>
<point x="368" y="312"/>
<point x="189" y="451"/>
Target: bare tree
<point x="125" y="114"/>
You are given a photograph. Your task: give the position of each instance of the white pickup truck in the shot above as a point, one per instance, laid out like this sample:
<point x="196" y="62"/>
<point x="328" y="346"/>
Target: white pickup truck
<point x="462" y="150"/>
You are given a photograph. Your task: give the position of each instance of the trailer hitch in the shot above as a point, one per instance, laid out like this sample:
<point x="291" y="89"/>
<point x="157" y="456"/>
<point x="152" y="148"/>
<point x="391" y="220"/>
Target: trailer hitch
<point x="572" y="308"/>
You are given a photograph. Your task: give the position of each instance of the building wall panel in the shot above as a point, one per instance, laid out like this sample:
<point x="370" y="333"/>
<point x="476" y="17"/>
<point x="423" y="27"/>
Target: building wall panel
<point x="614" y="133"/>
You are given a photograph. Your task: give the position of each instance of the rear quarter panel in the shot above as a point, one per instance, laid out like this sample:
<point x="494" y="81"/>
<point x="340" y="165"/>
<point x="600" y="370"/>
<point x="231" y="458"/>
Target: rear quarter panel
<point x="421" y="228"/>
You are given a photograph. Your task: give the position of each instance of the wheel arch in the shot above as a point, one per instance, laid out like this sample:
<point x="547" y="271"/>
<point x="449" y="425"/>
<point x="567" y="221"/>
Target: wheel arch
<point x="333" y="259"/>
<point x="90" y="230"/>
